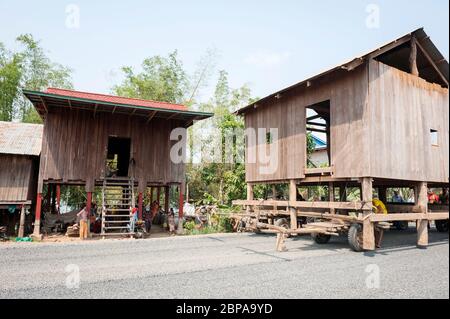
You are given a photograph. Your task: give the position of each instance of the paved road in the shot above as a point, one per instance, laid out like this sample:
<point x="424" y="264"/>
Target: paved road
<point x="225" y="266"/>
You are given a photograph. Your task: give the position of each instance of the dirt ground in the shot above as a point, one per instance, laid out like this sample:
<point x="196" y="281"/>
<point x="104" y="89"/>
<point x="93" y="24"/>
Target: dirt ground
<point x="157" y="231"/>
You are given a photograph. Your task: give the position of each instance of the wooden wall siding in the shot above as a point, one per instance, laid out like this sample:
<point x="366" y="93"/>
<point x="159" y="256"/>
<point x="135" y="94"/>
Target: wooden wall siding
<point x="16" y="178"/>
<point x="403" y="109"/>
<point x="75" y="146"/>
<point x="348" y="94"/>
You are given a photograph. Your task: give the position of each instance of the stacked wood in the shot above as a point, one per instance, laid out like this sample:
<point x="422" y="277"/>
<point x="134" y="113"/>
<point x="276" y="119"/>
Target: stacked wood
<point x="73" y="231"/>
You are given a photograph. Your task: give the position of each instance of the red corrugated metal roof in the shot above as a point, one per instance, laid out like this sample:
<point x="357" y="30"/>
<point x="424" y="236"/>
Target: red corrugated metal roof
<point x="116" y="99"/>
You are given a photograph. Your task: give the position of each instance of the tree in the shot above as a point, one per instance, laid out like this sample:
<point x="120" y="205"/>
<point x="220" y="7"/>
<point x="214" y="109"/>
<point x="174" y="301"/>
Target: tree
<point x="38" y="73"/>
<point x="29" y="68"/>
<point x="161" y="79"/>
<point x="10" y="74"/>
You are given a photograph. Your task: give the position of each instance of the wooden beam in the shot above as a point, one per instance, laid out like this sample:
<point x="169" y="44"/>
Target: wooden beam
<point x="70" y="104"/>
<point x="413" y="58"/>
<point x="44" y="104"/>
<point x="391" y="46"/>
<point x="151" y="116"/>
<point x="357" y="206"/>
<point x="430" y="60"/>
<point x="319" y="170"/>
<point x="368" y="226"/>
<point x="317" y="124"/>
<point x="314" y="117"/>
<point x="172" y="116"/>
<point x="293" y="198"/>
<point x="316" y="130"/>
<point x="408" y="217"/>
<point x="422" y="225"/>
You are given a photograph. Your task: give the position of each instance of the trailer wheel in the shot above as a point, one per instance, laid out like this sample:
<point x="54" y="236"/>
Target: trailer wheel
<point x="442" y="226"/>
<point x="283" y="222"/>
<point x="321" y="239"/>
<point x="401" y="225"/>
<point x="355" y="237"/>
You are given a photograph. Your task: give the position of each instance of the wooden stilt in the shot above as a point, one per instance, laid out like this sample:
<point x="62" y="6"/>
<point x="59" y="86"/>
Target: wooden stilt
<point x="166" y="199"/>
<point x="368" y="226"/>
<point x="422" y="225"/>
<point x="22" y="222"/>
<point x="37" y="218"/>
<point x="140" y="205"/>
<point x="250" y="195"/>
<point x="158" y="194"/>
<point x="58" y="198"/>
<point x="331" y="196"/>
<point x="293" y="197"/>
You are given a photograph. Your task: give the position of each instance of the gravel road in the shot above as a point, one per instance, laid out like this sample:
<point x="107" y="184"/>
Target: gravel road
<point x="225" y="266"/>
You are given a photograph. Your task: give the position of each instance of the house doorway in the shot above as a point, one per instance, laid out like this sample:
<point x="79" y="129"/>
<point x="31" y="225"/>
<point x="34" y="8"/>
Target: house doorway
<point x="118" y="156"/>
<point x="318" y="135"/>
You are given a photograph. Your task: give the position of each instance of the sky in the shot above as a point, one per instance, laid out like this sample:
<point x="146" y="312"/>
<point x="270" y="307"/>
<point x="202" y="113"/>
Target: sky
<point x="267" y="45"/>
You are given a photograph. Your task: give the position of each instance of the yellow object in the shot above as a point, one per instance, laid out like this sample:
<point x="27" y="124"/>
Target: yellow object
<point x="83" y="229"/>
<point x="379" y="207"/>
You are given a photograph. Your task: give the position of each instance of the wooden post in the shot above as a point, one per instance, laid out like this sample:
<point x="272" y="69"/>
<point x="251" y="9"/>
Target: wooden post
<point x="250" y="195"/>
<point x="422" y="225"/>
<point x="48" y="197"/>
<point x="413" y="58"/>
<point x="368" y="226"/>
<point x="37" y="218"/>
<point x="140" y="205"/>
<point x="331" y="196"/>
<point x="22" y="222"/>
<point x="58" y="198"/>
<point x="342" y="193"/>
<point x="180" y="210"/>
<point x="293" y="198"/>
<point x="88" y="208"/>
<point x="53" y="205"/>
<point x="151" y="194"/>
<point x="166" y="199"/>
<point x="382" y="194"/>
<point x="158" y="194"/>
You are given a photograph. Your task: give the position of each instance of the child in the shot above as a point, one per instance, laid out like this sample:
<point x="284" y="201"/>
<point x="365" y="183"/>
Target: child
<point x="171" y="222"/>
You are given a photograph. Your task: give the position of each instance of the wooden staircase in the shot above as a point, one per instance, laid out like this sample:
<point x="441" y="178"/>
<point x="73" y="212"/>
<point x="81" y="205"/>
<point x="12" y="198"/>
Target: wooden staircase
<point x="117" y="198"/>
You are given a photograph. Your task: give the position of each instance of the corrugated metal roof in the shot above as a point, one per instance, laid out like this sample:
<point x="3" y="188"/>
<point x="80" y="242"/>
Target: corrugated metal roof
<point x="20" y="138"/>
<point x="116" y="99"/>
<point x="421" y="36"/>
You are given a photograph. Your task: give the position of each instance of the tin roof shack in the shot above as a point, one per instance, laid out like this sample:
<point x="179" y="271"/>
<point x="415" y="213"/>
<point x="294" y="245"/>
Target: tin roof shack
<point x="20" y="147"/>
<point x="109" y="141"/>
<point x="386" y="118"/>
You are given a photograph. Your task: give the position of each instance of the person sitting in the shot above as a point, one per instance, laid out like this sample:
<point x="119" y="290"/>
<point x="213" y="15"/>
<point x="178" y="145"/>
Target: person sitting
<point x="432" y="197"/>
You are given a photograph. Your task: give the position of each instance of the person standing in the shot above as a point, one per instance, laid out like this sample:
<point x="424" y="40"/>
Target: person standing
<point x="133" y="218"/>
<point x="83" y="214"/>
<point x="148" y="219"/>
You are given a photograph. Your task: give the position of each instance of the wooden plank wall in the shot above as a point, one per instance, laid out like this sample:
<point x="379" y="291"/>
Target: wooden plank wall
<point x="348" y="95"/>
<point x="403" y="109"/>
<point x="16" y="178"/>
<point x="75" y="146"/>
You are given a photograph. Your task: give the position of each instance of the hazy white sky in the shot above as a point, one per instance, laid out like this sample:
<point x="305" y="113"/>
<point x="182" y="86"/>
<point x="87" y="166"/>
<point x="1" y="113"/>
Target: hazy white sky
<point x="267" y="44"/>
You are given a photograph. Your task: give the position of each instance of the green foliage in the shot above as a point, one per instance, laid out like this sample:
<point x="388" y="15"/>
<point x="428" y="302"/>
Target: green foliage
<point x="219" y="223"/>
<point x="10" y="74"/>
<point x="161" y="79"/>
<point x="28" y="68"/>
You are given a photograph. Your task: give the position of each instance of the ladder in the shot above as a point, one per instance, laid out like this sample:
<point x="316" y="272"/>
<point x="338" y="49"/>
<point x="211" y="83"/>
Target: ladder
<point x="117" y="198"/>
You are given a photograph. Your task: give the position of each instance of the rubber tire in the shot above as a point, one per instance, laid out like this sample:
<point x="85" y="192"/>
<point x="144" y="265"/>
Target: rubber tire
<point x="401" y="226"/>
<point x="442" y="225"/>
<point x="353" y="233"/>
<point x="321" y="239"/>
<point x="282" y="222"/>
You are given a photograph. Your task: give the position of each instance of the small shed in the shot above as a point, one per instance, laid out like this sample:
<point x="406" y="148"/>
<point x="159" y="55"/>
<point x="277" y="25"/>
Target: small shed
<point x="20" y="148"/>
<point x="113" y="142"/>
